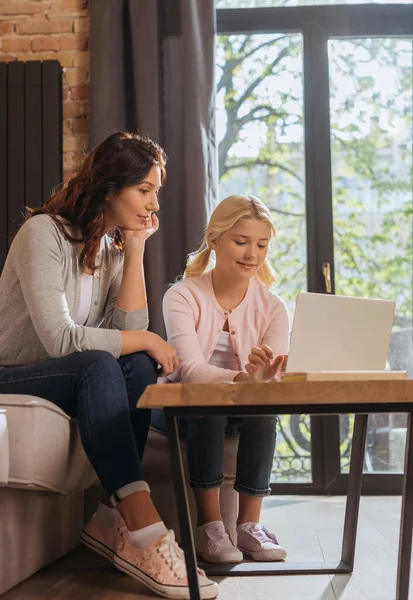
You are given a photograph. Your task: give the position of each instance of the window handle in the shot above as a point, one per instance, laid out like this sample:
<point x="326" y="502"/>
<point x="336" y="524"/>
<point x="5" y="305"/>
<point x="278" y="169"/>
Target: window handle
<point x="325" y="268"/>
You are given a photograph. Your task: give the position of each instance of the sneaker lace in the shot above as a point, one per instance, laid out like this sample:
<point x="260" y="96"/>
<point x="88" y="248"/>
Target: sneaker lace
<point x="173" y="555"/>
<point x="263" y="535"/>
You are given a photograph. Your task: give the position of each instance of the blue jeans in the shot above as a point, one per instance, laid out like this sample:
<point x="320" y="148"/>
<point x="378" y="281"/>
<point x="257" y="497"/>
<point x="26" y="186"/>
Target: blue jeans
<point x="205" y="453"/>
<point x="101" y="393"/>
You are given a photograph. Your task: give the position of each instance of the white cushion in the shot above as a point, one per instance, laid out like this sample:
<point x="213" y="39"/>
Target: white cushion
<point x="40" y="446"/>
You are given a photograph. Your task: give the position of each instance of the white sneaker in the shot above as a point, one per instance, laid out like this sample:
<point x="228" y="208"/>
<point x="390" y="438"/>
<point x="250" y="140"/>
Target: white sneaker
<point x="256" y="541"/>
<point x="213" y="544"/>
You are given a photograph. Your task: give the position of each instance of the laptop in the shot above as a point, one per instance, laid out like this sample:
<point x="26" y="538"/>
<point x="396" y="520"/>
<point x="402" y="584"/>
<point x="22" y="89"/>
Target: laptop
<point x="340" y="333"/>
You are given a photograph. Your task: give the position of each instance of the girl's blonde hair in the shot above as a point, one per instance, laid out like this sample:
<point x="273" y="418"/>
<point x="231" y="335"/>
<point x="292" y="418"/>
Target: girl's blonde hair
<point x="225" y="216"/>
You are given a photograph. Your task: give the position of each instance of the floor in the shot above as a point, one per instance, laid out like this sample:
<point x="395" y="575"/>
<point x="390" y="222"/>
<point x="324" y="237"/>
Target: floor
<point x="309" y="527"/>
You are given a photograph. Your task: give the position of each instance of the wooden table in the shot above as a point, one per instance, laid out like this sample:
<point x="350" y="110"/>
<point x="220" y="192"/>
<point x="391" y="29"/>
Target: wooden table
<point x="322" y="398"/>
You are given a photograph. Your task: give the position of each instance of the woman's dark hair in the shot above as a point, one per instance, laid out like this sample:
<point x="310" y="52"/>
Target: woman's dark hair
<point x="122" y="160"/>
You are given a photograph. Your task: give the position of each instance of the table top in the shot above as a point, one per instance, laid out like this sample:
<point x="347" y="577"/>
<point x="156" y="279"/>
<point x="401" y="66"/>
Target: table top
<point x="297" y="393"/>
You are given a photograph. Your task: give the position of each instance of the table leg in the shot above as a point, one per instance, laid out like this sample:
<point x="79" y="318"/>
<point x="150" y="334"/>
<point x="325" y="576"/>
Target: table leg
<point x="406" y="522"/>
<point x="182" y="504"/>
<point x="355" y="480"/>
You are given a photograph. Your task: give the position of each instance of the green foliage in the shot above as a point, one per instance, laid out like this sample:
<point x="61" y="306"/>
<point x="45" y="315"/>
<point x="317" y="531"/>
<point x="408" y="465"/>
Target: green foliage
<point x="262" y="148"/>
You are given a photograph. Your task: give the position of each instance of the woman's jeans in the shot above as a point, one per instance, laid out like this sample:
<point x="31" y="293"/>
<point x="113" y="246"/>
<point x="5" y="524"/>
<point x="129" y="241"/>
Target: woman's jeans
<point x="205" y="450"/>
<point x="101" y="392"/>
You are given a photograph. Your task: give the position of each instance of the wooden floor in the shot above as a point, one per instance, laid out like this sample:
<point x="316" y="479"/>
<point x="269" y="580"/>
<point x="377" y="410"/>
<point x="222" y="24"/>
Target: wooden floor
<point x="309" y="527"/>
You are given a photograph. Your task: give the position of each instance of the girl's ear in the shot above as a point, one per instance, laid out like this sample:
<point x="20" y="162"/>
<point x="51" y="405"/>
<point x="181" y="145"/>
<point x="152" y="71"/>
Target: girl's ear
<point x="212" y="244"/>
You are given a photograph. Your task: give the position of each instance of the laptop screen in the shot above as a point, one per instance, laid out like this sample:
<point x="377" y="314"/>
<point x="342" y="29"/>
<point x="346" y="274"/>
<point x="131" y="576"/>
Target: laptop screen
<point x="340" y="333"/>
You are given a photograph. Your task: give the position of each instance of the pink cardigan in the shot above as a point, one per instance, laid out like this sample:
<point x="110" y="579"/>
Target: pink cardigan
<point x="194" y="320"/>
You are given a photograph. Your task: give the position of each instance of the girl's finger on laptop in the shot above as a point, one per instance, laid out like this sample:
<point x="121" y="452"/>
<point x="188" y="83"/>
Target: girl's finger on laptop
<point x="256" y="360"/>
<point x="267" y="351"/>
<point x="255" y="351"/>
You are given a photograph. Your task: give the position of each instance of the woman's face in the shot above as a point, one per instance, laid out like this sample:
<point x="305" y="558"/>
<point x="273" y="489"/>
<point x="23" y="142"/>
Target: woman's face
<point x="132" y="207"/>
<point x="241" y="251"/>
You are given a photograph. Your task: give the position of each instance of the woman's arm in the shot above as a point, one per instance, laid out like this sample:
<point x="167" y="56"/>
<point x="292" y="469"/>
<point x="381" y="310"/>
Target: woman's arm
<point x="132" y="291"/>
<point x="146" y="341"/>
<point x="126" y="306"/>
<point x="37" y="258"/>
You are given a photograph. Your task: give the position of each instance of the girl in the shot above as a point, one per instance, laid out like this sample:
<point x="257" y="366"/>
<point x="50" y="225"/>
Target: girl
<point x="74" y="331"/>
<point x="219" y="318"/>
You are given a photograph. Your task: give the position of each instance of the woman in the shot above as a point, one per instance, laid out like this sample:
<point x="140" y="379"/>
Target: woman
<point x="220" y="317"/>
<point x="74" y="331"/>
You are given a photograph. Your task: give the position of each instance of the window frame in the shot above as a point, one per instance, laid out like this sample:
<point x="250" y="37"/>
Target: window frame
<point x="319" y="24"/>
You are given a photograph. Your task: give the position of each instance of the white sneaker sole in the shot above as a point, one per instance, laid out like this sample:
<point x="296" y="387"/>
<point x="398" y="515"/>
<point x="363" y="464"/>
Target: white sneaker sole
<point x="267" y="555"/>
<point x="208" y="592"/>
<point x="230" y="558"/>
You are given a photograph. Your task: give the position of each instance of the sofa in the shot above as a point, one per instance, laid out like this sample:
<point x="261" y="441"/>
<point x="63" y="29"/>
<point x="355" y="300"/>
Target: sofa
<point x="48" y="487"/>
<point x="43" y="475"/>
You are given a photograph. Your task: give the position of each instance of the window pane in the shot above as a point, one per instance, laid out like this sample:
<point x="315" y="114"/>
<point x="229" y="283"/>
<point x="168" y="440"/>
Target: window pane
<point x="260" y="130"/>
<point x="371" y="136"/>
<point x="279" y="3"/>
<point x="292" y="460"/>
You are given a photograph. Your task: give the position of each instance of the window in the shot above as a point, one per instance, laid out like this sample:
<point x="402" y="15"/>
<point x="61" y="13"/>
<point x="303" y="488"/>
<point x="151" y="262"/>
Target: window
<point x="301" y="3"/>
<point x="314" y="116"/>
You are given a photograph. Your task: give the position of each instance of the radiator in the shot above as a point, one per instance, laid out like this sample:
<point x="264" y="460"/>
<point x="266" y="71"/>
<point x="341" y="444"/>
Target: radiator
<point x="30" y="140"/>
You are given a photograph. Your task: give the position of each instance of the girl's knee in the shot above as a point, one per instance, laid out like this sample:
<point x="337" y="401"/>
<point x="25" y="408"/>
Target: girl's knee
<point x="204" y="423"/>
<point x="263" y="424"/>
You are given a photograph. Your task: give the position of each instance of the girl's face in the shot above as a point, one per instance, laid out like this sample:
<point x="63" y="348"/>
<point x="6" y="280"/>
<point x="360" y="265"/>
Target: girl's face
<point x="132" y="207"/>
<point x="241" y="251"/>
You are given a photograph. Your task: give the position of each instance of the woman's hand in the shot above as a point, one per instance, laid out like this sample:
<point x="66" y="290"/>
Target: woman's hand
<point x="263" y="366"/>
<point x="132" y="239"/>
<point x="164" y="354"/>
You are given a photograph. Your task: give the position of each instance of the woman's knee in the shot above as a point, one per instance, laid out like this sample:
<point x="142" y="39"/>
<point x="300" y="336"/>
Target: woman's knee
<point x="100" y="360"/>
<point x="141" y="365"/>
<point x="99" y="375"/>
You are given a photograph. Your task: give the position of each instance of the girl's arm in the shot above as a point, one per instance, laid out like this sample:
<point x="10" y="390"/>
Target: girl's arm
<point x="277" y="333"/>
<point x="266" y="361"/>
<point x="180" y="327"/>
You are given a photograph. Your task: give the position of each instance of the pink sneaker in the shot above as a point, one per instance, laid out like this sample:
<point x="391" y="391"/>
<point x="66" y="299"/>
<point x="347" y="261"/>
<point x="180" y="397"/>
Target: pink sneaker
<point x="213" y="544"/>
<point x="161" y="567"/>
<point x="258" y="543"/>
<point x="103" y="540"/>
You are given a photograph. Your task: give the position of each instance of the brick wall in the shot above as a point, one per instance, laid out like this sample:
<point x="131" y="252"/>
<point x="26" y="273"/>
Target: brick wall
<point x="57" y="30"/>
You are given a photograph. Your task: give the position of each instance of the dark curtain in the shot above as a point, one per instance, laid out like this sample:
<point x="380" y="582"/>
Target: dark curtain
<point x="152" y="71"/>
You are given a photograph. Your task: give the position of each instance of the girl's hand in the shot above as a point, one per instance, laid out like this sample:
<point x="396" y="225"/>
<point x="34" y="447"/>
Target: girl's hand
<point x="279" y="364"/>
<point x="164" y="354"/>
<point x="133" y="238"/>
<point x="262" y="366"/>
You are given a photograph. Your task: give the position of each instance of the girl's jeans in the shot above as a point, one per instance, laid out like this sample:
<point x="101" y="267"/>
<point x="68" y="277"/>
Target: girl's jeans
<point x="101" y="392"/>
<point x="205" y="450"/>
